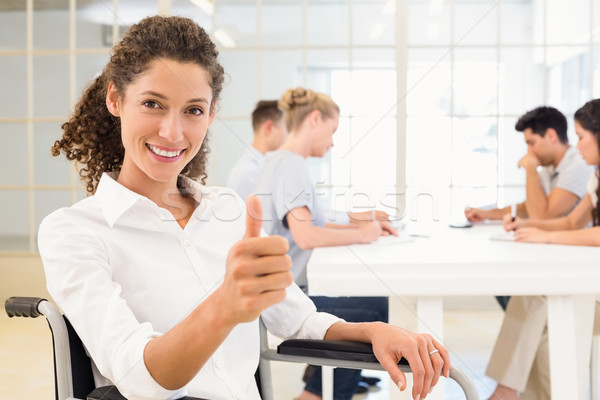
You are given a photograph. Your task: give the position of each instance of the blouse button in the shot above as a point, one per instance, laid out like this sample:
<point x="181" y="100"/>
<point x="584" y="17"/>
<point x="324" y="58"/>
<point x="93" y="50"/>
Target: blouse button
<point x="185" y="243"/>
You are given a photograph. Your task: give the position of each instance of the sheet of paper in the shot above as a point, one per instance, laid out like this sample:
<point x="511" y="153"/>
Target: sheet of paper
<point x="392" y="240"/>
<point x="507" y="236"/>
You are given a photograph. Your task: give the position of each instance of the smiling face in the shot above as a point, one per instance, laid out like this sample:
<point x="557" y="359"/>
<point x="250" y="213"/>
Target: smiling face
<point x="164" y="115"/>
<point x="587" y="145"/>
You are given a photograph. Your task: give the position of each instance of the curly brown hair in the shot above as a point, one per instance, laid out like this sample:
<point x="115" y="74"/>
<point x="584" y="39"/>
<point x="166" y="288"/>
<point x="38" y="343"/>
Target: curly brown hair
<point x="588" y="117"/>
<point x="92" y="136"/>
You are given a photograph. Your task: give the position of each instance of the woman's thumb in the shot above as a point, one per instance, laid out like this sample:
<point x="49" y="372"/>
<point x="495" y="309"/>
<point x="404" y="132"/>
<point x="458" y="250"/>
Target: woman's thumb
<point x="254" y="217"/>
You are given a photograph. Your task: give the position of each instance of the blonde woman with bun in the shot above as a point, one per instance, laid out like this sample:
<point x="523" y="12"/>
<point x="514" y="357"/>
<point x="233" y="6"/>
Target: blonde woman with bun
<point x="291" y="210"/>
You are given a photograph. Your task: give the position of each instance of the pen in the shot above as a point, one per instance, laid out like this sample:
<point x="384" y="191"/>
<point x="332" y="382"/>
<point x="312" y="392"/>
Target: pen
<point x="513" y="211"/>
<point x="418" y="235"/>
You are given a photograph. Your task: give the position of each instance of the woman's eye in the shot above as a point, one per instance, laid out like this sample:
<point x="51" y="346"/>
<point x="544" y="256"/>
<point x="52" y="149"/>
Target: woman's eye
<point x="151" y="104"/>
<point x="195" y="111"/>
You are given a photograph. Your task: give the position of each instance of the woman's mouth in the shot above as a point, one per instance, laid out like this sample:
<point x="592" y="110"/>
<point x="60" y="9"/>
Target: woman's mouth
<point x="164" y="153"/>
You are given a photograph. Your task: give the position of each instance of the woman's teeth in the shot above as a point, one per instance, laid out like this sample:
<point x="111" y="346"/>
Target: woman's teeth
<point x="164" y="153"/>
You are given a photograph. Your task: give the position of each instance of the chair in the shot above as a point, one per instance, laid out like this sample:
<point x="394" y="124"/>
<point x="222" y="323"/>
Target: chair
<point x="73" y="372"/>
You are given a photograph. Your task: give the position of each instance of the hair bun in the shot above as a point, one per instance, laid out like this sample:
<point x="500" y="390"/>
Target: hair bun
<point x="296" y="98"/>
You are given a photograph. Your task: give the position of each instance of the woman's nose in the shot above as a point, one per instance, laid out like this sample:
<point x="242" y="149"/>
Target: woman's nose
<point x="171" y="128"/>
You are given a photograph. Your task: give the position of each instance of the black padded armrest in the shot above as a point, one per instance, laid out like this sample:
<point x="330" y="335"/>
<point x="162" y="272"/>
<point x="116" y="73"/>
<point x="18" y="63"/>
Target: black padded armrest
<point x="23" y="306"/>
<point x="330" y="349"/>
<point x="111" y="393"/>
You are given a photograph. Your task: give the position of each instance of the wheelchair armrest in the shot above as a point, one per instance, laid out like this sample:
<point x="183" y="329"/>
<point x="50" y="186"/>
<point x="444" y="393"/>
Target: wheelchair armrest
<point x="331" y="349"/>
<point x="352" y="355"/>
<point x="23" y="307"/>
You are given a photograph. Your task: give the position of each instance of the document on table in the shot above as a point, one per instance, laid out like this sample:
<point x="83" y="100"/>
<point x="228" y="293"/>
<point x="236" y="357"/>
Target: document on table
<point x="507" y="236"/>
<point x="392" y="240"/>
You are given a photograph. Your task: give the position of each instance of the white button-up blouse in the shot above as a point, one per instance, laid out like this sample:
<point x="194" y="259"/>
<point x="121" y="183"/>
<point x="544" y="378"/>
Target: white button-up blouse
<point x="124" y="272"/>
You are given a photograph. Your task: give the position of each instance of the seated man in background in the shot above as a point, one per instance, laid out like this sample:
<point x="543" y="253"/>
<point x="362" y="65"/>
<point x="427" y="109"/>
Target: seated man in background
<point x="269" y="134"/>
<point x="556" y="188"/>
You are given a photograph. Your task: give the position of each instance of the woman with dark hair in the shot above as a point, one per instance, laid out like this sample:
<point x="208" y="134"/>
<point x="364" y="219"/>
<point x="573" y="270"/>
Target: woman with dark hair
<point x="519" y="361"/>
<point x="163" y="278"/>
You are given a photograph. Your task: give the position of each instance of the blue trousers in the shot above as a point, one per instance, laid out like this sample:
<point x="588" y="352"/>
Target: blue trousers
<point x="351" y="309"/>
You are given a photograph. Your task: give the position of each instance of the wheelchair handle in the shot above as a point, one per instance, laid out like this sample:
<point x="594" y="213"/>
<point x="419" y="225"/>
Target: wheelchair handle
<point x="23" y="306"/>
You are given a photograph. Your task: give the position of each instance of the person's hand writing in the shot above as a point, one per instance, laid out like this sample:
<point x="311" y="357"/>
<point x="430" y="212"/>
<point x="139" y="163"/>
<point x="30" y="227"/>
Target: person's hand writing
<point x="533" y="235"/>
<point x="374" y="215"/>
<point x="475" y="214"/>
<point x="391" y="343"/>
<point x="387" y="228"/>
<point x="258" y="269"/>
<point x="510" y="225"/>
<point x="370" y="231"/>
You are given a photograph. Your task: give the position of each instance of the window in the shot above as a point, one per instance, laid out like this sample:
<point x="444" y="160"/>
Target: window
<point x="472" y="69"/>
<point x="429" y="91"/>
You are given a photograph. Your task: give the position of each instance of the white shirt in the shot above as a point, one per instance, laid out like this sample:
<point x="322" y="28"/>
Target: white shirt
<point x="124" y="272"/>
<point x="245" y="172"/>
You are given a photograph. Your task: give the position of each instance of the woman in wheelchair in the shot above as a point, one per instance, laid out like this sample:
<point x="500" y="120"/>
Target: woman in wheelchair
<point x="163" y="278"/>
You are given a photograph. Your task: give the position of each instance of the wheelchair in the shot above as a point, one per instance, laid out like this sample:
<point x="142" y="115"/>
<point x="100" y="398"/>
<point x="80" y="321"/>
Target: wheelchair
<point x="73" y="371"/>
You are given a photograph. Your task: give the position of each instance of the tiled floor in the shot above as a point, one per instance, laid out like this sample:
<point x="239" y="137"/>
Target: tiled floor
<point x="26" y="358"/>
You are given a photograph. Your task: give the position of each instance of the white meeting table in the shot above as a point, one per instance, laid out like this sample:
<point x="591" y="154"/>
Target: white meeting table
<point x="465" y="261"/>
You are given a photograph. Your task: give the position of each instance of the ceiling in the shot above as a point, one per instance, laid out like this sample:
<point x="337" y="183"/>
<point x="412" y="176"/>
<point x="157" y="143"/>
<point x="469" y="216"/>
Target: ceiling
<point x="21" y="5"/>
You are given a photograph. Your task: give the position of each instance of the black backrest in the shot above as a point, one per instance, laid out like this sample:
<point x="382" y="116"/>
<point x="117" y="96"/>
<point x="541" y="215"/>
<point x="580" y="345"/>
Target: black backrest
<point x="83" y="378"/>
<point x="81" y="365"/>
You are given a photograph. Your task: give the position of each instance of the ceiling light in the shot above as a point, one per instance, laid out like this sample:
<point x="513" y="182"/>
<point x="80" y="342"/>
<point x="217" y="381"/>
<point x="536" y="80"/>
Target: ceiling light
<point x="377" y="30"/>
<point x="205" y="5"/>
<point x="389" y="8"/>
<point x="223" y="38"/>
<point x="436" y="7"/>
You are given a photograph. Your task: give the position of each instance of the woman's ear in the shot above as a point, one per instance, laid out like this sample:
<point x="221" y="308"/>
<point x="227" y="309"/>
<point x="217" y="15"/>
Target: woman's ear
<point x="314" y="117"/>
<point x="112" y="100"/>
